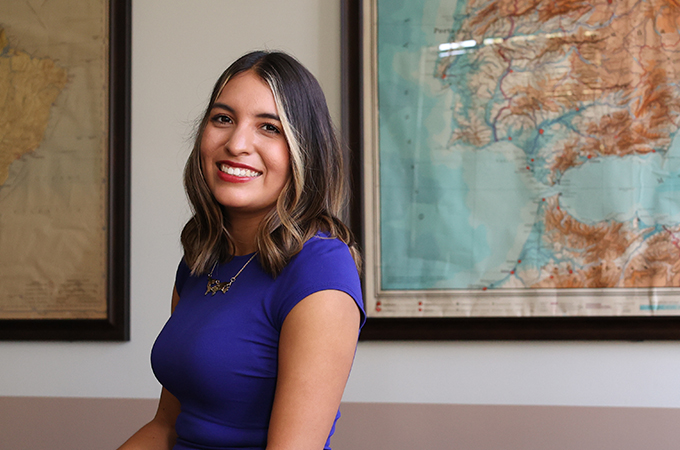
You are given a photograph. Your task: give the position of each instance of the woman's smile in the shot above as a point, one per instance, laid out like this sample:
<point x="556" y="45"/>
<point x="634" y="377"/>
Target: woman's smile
<point x="237" y="172"/>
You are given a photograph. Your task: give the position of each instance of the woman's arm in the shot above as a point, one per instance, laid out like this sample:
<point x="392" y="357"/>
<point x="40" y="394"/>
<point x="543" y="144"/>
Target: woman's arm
<point x="159" y="434"/>
<point x="316" y="350"/>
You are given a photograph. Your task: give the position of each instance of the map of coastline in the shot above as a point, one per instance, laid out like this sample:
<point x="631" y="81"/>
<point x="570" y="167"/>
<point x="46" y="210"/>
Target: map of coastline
<point x="529" y="144"/>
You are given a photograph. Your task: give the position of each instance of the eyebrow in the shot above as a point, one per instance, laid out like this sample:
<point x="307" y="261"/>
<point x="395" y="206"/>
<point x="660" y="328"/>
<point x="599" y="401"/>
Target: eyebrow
<point x="263" y="115"/>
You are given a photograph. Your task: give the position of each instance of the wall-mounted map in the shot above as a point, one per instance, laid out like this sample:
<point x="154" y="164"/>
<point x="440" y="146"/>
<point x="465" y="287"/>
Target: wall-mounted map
<point x="528" y="160"/>
<point x="53" y="159"/>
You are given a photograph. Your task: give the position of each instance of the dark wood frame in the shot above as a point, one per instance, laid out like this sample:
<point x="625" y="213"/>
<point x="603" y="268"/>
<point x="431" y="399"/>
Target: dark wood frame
<point x="474" y="328"/>
<point x="117" y="325"/>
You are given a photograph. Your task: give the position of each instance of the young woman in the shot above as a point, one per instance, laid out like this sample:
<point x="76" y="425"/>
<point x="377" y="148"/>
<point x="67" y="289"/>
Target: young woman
<point x="267" y="304"/>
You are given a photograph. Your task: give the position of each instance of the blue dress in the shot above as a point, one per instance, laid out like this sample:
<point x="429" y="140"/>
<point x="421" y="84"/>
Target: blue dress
<point x="219" y="354"/>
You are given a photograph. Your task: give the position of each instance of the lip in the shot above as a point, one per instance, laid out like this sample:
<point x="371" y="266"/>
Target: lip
<point x="233" y="178"/>
<point x="236" y="165"/>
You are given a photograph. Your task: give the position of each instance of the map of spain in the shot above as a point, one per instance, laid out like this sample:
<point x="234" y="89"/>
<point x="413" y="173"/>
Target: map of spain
<point x="28" y="88"/>
<point x="529" y="144"/>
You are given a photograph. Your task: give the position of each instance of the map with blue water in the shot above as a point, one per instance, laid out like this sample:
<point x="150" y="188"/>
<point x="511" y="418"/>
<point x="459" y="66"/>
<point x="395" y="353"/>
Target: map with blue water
<point x="529" y="145"/>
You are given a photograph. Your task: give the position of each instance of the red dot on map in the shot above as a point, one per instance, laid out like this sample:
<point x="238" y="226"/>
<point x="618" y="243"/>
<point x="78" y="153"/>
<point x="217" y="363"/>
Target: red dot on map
<point x="558" y="208"/>
<point x="578" y="109"/>
<point x="512" y="272"/>
<point x="609" y="1"/>
<point x="484" y="288"/>
<point x="653" y="151"/>
<point x="420" y="303"/>
<point x="443" y="76"/>
<point x="528" y="168"/>
<point x="378" y="308"/>
<point x="571" y="271"/>
<point x="509" y="138"/>
<point x="540" y="131"/>
<point x="543" y="199"/>
<point x="590" y="156"/>
<point x="519" y="261"/>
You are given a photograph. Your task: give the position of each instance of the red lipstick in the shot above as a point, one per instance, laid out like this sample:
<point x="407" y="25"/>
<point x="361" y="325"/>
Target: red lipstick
<point x="233" y="172"/>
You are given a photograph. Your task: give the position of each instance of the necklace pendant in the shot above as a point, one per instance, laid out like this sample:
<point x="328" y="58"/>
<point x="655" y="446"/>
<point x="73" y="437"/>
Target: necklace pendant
<point x="213" y="286"/>
<point x="224" y="287"/>
<point x="216" y="285"/>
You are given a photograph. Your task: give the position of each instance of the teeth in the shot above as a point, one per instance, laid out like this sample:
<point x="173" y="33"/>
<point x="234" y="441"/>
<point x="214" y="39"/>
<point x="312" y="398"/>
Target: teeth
<point x="237" y="172"/>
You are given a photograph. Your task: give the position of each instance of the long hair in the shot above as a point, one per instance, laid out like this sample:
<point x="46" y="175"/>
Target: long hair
<point x="312" y="199"/>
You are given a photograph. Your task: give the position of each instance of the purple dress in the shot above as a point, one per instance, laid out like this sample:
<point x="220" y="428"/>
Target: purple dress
<point x="219" y="354"/>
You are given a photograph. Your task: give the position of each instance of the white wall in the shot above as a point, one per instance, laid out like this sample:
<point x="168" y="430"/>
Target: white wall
<point x="523" y="373"/>
<point x="179" y="49"/>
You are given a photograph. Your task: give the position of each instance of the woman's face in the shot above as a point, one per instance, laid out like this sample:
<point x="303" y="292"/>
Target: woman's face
<point x="244" y="154"/>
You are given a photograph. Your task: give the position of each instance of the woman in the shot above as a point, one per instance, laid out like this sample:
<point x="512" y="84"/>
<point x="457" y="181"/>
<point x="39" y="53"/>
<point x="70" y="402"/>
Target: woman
<point x="259" y="361"/>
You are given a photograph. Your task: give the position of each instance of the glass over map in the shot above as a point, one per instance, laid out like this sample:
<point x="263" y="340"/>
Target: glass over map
<point x="529" y="162"/>
<point x="53" y="159"/>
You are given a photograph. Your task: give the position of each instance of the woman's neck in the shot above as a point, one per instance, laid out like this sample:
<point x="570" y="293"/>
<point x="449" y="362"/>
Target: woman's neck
<point x="243" y="231"/>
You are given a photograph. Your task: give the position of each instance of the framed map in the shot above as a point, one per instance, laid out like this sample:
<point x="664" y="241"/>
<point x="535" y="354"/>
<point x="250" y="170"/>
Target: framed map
<point x="64" y="169"/>
<point x="520" y="167"/>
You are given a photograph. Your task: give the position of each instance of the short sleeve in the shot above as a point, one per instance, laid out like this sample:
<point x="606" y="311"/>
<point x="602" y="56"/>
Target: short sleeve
<point x="182" y="275"/>
<point x="323" y="264"/>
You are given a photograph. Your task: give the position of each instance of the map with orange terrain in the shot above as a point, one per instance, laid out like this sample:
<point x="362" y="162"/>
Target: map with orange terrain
<point x="530" y="144"/>
<point x="599" y="79"/>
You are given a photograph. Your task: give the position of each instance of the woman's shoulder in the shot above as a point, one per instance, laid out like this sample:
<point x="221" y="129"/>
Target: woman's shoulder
<point x="322" y="241"/>
<point x="320" y="255"/>
<point x="323" y="249"/>
<point x="323" y="263"/>
<point x="182" y="274"/>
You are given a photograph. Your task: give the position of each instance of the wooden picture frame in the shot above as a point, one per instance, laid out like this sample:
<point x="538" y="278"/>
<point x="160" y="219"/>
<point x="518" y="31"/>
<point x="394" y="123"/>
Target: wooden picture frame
<point x="115" y="327"/>
<point x="356" y="54"/>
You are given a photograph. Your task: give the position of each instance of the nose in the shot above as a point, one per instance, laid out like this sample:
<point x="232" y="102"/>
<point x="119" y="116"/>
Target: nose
<point x="240" y="140"/>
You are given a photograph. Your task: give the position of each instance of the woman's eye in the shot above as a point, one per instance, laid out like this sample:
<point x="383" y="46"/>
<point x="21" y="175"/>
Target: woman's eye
<point x="221" y="119"/>
<point x="271" y="128"/>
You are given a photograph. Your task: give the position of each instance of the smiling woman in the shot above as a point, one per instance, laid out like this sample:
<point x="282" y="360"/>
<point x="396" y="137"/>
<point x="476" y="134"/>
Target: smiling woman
<point x="261" y="362"/>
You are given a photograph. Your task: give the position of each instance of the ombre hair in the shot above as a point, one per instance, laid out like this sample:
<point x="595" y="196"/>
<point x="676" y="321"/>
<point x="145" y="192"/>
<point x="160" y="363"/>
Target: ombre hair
<point x="313" y="197"/>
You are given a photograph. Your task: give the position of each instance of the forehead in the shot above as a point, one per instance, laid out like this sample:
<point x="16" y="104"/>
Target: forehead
<point x="247" y="89"/>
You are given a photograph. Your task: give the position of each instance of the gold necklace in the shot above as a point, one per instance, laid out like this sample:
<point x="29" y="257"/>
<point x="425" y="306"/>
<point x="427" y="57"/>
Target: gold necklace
<point x="216" y="285"/>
